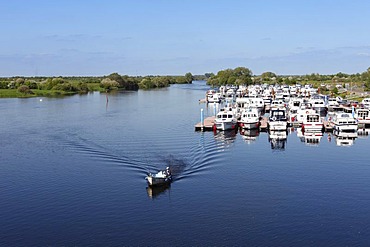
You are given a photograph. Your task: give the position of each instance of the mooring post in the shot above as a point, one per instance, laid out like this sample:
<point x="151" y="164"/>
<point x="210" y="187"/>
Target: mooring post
<point x="202" y="118"/>
<point x="214" y="109"/>
<point x="353" y="111"/>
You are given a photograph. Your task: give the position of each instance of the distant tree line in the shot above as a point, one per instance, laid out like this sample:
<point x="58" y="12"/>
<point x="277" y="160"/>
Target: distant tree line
<point x="244" y="76"/>
<point x="126" y="82"/>
<point x="115" y="81"/>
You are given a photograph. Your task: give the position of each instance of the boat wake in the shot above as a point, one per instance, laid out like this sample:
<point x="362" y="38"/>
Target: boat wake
<point x="77" y="144"/>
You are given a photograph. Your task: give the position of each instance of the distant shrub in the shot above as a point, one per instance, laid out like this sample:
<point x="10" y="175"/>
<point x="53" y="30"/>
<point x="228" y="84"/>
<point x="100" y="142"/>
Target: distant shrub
<point x="24" y="89"/>
<point x="3" y="84"/>
<point x="109" y="84"/>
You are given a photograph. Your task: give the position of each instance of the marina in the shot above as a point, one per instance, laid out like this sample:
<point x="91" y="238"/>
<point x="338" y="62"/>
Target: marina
<point x="280" y="107"/>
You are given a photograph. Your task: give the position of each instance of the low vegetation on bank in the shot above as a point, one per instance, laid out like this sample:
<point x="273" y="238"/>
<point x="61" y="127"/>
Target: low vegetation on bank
<point x="60" y="86"/>
<point x="336" y="84"/>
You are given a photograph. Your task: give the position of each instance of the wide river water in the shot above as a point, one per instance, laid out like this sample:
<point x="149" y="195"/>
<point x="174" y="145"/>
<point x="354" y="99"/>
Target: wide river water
<point x="72" y="174"/>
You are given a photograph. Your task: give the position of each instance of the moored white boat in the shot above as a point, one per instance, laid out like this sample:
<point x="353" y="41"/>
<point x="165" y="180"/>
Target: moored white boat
<point x="213" y="97"/>
<point x="277" y="119"/>
<point x="249" y="118"/>
<point x="362" y="115"/>
<point x="344" y="122"/>
<point x="312" y="123"/>
<point x="318" y="105"/>
<point x="225" y="120"/>
<point x="366" y="103"/>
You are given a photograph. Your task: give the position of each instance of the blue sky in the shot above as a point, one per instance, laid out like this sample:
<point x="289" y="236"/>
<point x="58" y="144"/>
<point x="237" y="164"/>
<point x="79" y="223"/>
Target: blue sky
<point x="173" y="37"/>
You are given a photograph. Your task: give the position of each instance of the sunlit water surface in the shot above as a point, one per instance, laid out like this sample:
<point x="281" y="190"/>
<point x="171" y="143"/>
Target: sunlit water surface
<point x="72" y="174"/>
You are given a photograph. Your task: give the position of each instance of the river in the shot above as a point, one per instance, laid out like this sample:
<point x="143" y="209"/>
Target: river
<point x="72" y="174"/>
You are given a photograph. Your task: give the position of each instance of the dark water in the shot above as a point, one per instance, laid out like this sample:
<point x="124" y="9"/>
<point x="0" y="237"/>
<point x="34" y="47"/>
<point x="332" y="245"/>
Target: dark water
<point x="72" y="174"/>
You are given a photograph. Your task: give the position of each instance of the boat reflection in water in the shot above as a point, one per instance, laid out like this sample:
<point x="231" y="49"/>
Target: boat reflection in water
<point x="363" y="133"/>
<point x="225" y="137"/>
<point x="155" y="191"/>
<point x="345" y="138"/>
<point x="249" y="135"/>
<point x="278" y="139"/>
<point x="310" y="138"/>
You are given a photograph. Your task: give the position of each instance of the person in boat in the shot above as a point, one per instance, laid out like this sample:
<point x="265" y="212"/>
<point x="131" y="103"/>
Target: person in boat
<point x="168" y="172"/>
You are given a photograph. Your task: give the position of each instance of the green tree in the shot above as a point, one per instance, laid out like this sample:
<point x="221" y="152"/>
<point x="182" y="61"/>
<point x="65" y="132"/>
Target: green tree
<point x="189" y="77"/>
<point x="267" y="76"/>
<point x="239" y="75"/>
<point x="208" y="75"/>
<point x="116" y="77"/>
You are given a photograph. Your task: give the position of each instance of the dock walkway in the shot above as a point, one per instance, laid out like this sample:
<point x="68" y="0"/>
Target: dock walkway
<point x="207" y="124"/>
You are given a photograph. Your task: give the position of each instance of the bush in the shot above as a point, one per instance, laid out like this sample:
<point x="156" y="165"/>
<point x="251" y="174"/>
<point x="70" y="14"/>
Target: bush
<point x="109" y="84"/>
<point x="67" y="87"/>
<point x="24" y="89"/>
<point x="3" y="84"/>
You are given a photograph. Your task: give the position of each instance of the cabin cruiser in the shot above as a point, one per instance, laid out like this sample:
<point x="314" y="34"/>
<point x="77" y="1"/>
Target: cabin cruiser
<point x="318" y="105"/>
<point x="332" y="110"/>
<point x="213" y="97"/>
<point x="160" y="178"/>
<point x="257" y="103"/>
<point x="294" y="105"/>
<point x="302" y="113"/>
<point x="332" y="102"/>
<point x="312" y="123"/>
<point x="230" y="93"/>
<point x="344" y="122"/>
<point x="249" y="118"/>
<point x="225" y="120"/>
<point x="277" y="119"/>
<point x="366" y="103"/>
<point x="277" y="103"/>
<point x="242" y="102"/>
<point x="362" y="115"/>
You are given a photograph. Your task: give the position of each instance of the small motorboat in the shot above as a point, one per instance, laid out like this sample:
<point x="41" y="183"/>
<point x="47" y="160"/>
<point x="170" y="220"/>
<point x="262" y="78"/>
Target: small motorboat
<point x="160" y="178"/>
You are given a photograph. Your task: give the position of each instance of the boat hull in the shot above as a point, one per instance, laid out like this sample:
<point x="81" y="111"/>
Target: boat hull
<point x="225" y="125"/>
<point x="153" y="181"/>
<point x="249" y="125"/>
<point x="313" y="127"/>
<point x="349" y="128"/>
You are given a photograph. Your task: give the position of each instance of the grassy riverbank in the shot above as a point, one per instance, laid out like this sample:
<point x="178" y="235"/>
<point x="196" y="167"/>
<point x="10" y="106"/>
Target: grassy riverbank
<point x="15" y="93"/>
<point x="25" y="87"/>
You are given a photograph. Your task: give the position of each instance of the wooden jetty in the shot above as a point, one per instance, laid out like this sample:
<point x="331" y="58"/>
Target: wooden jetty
<point x="207" y="124"/>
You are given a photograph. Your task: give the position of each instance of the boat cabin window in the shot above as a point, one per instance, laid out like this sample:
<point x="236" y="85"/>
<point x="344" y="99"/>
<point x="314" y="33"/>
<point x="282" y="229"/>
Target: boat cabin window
<point x="363" y="114"/>
<point x="312" y="118"/>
